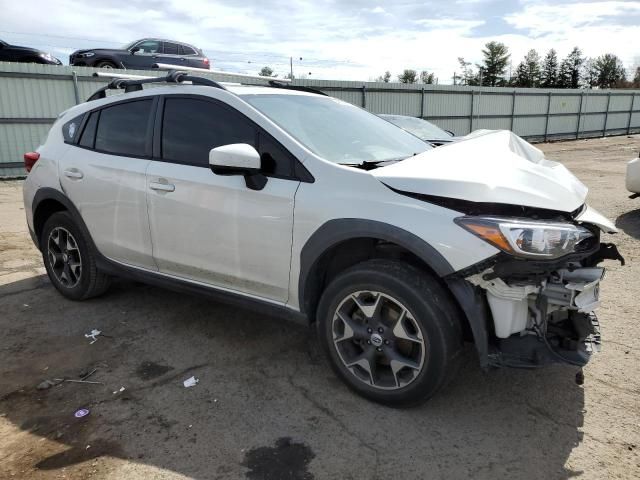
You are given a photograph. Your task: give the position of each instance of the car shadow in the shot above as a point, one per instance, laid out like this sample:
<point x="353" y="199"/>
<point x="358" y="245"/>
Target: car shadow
<point x="629" y="223"/>
<point x="266" y="405"/>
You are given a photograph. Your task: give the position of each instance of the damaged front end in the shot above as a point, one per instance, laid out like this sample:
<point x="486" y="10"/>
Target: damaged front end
<point x="541" y="290"/>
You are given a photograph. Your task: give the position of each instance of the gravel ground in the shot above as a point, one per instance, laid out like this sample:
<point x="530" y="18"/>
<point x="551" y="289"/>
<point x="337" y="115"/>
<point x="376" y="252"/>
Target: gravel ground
<point x="268" y="407"/>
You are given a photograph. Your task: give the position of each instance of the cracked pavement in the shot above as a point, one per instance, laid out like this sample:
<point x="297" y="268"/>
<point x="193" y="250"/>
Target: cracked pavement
<point x="267" y="405"/>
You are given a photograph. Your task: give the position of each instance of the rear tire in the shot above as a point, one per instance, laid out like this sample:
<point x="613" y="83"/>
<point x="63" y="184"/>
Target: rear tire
<point x="69" y="260"/>
<point x="391" y="332"/>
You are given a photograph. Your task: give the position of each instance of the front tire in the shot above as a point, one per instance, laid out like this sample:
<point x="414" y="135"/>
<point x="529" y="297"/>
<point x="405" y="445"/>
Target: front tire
<point x="68" y="259"/>
<point x="391" y="332"/>
<point x="106" y="64"/>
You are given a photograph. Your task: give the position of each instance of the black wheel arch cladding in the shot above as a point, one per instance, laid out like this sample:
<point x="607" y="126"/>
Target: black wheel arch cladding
<point x="336" y="231"/>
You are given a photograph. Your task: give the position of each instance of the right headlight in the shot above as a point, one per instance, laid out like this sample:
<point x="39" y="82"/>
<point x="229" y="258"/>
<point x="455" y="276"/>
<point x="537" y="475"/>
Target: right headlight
<point x="524" y="238"/>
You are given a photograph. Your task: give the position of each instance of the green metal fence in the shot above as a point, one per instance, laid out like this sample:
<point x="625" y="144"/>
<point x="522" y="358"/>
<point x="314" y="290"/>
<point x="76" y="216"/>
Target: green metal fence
<point x="32" y="96"/>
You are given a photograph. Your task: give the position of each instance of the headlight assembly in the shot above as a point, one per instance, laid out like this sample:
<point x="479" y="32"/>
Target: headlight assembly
<point x="533" y="239"/>
<point x="86" y="54"/>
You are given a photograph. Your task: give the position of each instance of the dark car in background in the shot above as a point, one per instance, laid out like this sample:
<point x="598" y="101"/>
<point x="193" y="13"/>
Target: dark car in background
<point x="422" y="129"/>
<point x="141" y="54"/>
<point x="15" y="53"/>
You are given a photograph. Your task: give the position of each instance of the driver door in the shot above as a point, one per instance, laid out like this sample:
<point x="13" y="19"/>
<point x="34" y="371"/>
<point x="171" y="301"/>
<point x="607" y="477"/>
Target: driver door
<point x="211" y="228"/>
<point x="147" y="54"/>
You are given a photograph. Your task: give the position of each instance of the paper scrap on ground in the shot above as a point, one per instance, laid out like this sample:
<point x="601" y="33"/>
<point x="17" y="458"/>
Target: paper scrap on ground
<point x="94" y="335"/>
<point x="190" y="382"/>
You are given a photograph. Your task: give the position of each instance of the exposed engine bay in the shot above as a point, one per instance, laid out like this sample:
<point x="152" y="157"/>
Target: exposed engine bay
<point x="543" y="312"/>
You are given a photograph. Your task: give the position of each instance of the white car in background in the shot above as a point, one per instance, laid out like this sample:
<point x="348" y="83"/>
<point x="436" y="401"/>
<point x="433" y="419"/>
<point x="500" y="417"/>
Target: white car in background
<point x="303" y="205"/>
<point x="633" y="177"/>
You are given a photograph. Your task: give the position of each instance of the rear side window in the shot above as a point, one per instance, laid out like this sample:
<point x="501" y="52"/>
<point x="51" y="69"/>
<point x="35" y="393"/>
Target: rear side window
<point x="170" y="48"/>
<point x="192" y="127"/>
<point x="185" y="50"/>
<point x="122" y="129"/>
<point x="89" y="133"/>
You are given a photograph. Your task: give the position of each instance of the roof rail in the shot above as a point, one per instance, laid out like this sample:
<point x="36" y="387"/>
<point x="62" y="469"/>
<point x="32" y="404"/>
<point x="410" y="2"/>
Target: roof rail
<point x="279" y="84"/>
<point x="167" y="66"/>
<point x="134" y="85"/>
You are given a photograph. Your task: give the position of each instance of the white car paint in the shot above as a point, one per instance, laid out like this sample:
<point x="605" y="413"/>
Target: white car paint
<point x="633" y="176"/>
<point x="188" y="223"/>
<point x="490" y="166"/>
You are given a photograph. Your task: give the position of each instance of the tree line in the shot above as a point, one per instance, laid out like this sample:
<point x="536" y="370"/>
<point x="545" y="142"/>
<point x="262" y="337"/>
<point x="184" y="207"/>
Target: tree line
<point x="495" y="70"/>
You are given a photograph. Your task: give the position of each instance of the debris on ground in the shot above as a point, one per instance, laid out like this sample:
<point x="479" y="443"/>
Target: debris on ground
<point x="119" y="391"/>
<point x="190" y="382"/>
<point x="46" y="384"/>
<point x="94" y="334"/>
<point x="82" y="412"/>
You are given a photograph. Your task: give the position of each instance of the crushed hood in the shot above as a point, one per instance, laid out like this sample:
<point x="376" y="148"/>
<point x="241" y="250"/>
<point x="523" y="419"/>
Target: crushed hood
<point x="493" y="166"/>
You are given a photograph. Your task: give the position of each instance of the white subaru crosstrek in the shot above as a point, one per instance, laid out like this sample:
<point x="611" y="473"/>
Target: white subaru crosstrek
<point x="304" y="205"/>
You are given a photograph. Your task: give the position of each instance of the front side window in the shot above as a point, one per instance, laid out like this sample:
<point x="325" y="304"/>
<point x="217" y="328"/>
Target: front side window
<point x="148" y="47"/>
<point x="192" y="127"/>
<point x="337" y="131"/>
<point x="122" y="128"/>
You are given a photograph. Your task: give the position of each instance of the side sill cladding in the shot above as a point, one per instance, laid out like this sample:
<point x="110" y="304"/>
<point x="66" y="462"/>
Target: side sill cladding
<point x="336" y="231"/>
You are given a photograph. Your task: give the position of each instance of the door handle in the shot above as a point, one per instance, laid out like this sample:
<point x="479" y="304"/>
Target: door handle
<point x="182" y="59"/>
<point x="162" y="187"/>
<point x="73" y="173"/>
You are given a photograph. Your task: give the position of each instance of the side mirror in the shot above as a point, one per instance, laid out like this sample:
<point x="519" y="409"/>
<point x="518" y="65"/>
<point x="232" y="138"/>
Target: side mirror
<point x="134" y="50"/>
<point x="238" y="159"/>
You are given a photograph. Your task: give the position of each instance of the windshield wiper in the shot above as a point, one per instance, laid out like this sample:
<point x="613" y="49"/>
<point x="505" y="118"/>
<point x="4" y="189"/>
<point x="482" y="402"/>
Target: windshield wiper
<point x="371" y="164"/>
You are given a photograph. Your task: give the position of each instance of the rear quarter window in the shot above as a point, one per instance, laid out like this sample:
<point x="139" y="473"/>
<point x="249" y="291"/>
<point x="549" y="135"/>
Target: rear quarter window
<point x="71" y="129"/>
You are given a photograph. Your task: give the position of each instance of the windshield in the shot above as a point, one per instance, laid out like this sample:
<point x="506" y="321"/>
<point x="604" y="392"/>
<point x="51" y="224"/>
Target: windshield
<point x="337" y="131"/>
<point x="418" y="127"/>
<point x="127" y="46"/>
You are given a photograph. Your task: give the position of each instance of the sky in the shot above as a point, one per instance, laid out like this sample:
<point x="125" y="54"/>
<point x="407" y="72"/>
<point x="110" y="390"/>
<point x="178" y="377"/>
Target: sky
<point x="332" y="39"/>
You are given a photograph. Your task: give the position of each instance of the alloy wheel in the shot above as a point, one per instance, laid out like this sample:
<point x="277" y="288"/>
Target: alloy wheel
<point x="64" y="257"/>
<point x="378" y="340"/>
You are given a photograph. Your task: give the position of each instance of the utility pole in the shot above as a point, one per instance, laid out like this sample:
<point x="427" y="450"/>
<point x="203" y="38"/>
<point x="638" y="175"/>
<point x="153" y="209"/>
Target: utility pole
<point x="291" y="67"/>
<point x="455" y="76"/>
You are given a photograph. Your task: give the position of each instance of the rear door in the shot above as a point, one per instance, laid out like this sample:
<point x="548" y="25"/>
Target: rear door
<point x="211" y="228"/>
<point x="171" y="54"/>
<point x="104" y="176"/>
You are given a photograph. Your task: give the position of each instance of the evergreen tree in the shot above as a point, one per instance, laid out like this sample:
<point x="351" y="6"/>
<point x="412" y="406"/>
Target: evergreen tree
<point x="528" y="71"/>
<point x="496" y="59"/>
<point x="572" y="68"/>
<point x="549" y="73"/>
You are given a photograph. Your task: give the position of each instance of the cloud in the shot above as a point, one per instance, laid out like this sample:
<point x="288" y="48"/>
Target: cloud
<point x="336" y="39"/>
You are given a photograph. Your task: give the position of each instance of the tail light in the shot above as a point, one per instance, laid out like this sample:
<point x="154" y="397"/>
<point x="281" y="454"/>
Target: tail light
<point x="30" y="160"/>
<point x="206" y="62"/>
